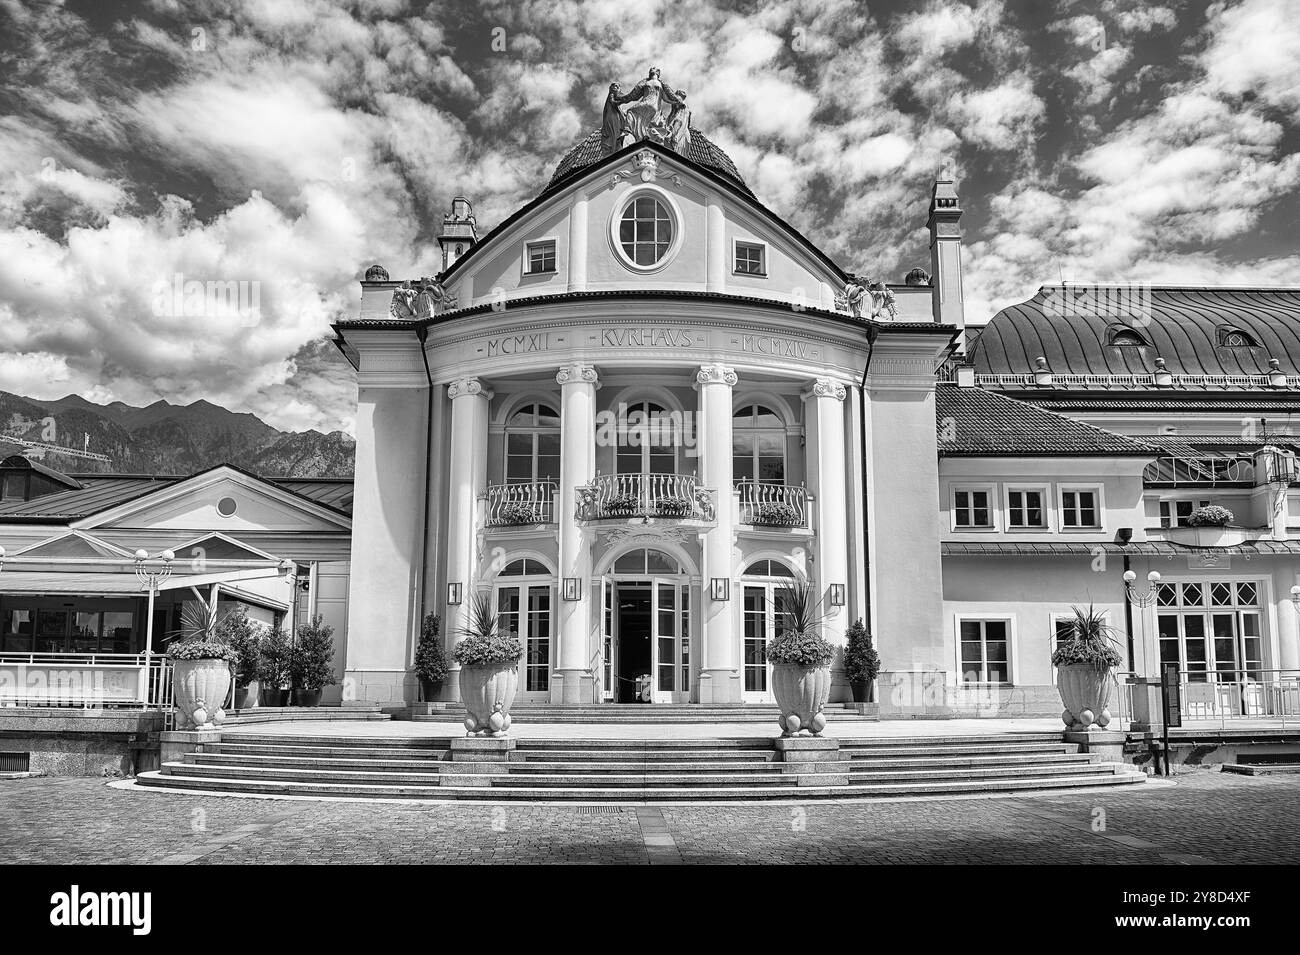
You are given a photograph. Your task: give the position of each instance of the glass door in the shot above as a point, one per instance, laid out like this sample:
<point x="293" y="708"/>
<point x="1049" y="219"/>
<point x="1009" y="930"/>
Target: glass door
<point x="51" y="631"/>
<point x="665" y="612"/>
<point x="607" y="639"/>
<point x="756" y="628"/>
<point x="525" y="611"/>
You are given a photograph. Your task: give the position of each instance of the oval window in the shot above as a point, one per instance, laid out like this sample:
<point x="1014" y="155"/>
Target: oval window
<point x="227" y="506"/>
<point x="645" y="231"/>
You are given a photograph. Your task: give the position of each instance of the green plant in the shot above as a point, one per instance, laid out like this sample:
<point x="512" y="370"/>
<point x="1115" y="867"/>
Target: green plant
<point x="520" y="512"/>
<point x="775" y="512"/>
<point x="1210" y="516"/>
<point x="245" y="637"/>
<point x="484" y="644"/>
<point x="273" y="667"/>
<point x="801" y="613"/>
<point x="861" y="662"/>
<point x="430" y="660"/>
<point x="623" y="504"/>
<point x="673" y="507"/>
<point x="197" y="638"/>
<point x="312" y="662"/>
<point x="1090" y="641"/>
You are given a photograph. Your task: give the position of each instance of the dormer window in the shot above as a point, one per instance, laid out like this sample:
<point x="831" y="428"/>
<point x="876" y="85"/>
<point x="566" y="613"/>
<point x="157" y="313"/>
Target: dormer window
<point x="539" y="258"/>
<point x="1123" y="335"/>
<point x="1230" y="337"/>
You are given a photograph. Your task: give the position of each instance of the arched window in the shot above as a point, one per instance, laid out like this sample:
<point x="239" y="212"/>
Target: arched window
<point x="648" y="438"/>
<point x="645" y="231"/>
<point x="1230" y="337"/>
<point x="648" y="562"/>
<point x="763" y="618"/>
<point x="523" y="602"/>
<point x="758" y="445"/>
<point x="533" y="445"/>
<point x="1126" y="336"/>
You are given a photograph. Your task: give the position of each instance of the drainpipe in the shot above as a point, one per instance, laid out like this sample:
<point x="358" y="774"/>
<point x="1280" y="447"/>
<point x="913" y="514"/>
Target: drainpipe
<point x="872" y="333"/>
<point x="421" y="334"/>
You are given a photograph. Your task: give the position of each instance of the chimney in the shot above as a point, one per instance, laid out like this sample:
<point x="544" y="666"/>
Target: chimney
<point x="459" y="231"/>
<point x="945" y="256"/>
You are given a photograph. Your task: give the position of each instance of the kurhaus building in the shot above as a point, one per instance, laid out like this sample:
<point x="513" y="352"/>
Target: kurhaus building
<point x="630" y="413"/>
<point x="633" y="410"/>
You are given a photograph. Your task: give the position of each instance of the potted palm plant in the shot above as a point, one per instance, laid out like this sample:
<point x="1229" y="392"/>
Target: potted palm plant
<point x="1085" y="659"/>
<point x="861" y="662"/>
<point x="312" y="662"/>
<point x="273" y="669"/>
<point x="489" y="670"/>
<point x="241" y="633"/>
<point x="430" y="660"/>
<point x="201" y="668"/>
<point x="801" y="661"/>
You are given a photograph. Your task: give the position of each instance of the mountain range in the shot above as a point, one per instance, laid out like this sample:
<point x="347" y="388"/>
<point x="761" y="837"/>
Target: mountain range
<point x="163" y="438"/>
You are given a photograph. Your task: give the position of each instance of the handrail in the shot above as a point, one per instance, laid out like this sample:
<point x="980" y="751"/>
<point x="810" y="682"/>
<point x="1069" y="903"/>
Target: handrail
<point x="673" y="496"/>
<point x="86" y="680"/>
<point x="1222" y="696"/>
<point x="517" y="504"/>
<point x="1204" y="471"/>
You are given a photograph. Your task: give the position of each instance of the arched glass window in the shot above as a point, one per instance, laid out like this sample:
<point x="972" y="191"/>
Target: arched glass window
<point x="758" y="445"/>
<point x="768" y="568"/>
<point x="646" y="561"/>
<point x="645" y="230"/>
<point x="1235" y="338"/>
<point x="524" y="567"/>
<point x="1126" y="336"/>
<point x="648" y="438"/>
<point x="533" y="445"/>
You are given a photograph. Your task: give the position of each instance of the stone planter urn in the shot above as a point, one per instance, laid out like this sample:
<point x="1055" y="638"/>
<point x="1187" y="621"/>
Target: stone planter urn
<point x="1085" y="691"/>
<point x="801" y="694"/>
<point x="200" y="688"/>
<point x="488" y="691"/>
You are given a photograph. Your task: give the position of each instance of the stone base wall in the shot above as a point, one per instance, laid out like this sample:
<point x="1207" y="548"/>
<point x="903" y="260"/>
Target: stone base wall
<point x="71" y="742"/>
<point x="927" y="695"/>
<point x="388" y="688"/>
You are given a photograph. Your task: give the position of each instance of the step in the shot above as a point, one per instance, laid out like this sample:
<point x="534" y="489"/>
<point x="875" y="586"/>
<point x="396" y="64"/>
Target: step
<point x="198" y="784"/>
<point x="642" y="766"/>
<point x="872" y="752"/>
<point x="643" y="780"/>
<point x="957" y="739"/>
<point x="390" y="742"/>
<point x="961" y="762"/>
<point x="261" y="773"/>
<point x="308" y="762"/>
<point x="646" y="745"/>
<point x="340" y="752"/>
<point x="990" y="772"/>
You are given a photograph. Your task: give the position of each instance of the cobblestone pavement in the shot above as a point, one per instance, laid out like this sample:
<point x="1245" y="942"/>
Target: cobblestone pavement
<point x="1204" y="817"/>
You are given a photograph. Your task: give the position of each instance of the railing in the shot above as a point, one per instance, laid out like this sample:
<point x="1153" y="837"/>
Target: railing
<point x="1172" y="471"/>
<point x="773" y="505"/>
<point x="675" y="496"/>
<point x="509" y="504"/>
<point x="1027" y="380"/>
<point x="87" y="680"/>
<point x="1224" y="697"/>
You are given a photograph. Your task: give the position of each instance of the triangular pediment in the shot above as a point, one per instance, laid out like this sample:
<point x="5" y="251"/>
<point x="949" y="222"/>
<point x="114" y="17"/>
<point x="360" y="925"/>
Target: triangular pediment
<point x="223" y="498"/>
<point x="73" y="545"/>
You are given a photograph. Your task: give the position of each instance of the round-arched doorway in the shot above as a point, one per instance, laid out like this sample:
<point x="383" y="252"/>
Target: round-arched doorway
<point x="645" y="642"/>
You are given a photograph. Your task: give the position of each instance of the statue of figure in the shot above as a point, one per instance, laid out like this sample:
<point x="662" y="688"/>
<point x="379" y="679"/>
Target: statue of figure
<point x="420" y="299"/>
<point x="855" y="297"/>
<point x="611" y="130"/>
<point x="677" y="128"/>
<point x="646" y="109"/>
<point x="403" y="303"/>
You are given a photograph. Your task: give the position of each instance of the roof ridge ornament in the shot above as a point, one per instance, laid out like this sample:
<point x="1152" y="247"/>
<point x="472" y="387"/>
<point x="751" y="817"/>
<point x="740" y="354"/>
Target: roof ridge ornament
<point x="652" y="110"/>
<point x="867" y="299"/>
<point x="648" y="163"/>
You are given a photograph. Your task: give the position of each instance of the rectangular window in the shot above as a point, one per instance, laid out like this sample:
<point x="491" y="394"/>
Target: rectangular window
<point x="971" y="508"/>
<point x="985" y="652"/>
<point x="750" y="259"/>
<point x="1177" y="513"/>
<point x="1027" y="508"/>
<point x="541" y="257"/>
<point x="1079" y="509"/>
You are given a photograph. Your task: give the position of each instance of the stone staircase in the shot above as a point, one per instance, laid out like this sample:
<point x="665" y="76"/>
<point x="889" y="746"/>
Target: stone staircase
<point x="624" y="770"/>
<point x="647" y="713"/>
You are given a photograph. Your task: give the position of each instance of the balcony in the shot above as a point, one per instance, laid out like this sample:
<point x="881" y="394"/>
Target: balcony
<point x="671" y="496"/>
<point x="515" y="505"/>
<point x="764" y="504"/>
<point x="1201" y="472"/>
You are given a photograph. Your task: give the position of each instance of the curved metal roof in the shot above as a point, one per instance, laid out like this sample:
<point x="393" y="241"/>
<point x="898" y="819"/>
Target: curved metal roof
<point x="1072" y="327"/>
<point x="590" y="150"/>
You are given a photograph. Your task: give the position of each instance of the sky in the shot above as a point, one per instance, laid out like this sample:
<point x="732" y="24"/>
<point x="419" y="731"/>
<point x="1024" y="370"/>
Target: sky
<point x="285" y="145"/>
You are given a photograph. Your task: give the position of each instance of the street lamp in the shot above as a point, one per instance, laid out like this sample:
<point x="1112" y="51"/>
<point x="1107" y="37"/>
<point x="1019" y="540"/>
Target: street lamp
<point x="1295" y="591"/>
<point x="150" y="576"/>
<point x="1144" y="598"/>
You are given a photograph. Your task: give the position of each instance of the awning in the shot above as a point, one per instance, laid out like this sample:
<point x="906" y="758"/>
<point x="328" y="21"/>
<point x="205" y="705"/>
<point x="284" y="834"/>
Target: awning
<point x="1084" y="548"/>
<point x="38" y="582"/>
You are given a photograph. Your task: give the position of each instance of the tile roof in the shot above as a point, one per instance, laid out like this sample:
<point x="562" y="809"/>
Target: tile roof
<point x="590" y="150"/>
<point x="1071" y="327"/>
<point x="1080" y="548"/>
<point x="972" y="422"/>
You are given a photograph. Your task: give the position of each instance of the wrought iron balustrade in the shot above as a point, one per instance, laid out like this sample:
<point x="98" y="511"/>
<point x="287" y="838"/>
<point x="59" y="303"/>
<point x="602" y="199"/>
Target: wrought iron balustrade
<point x="773" y="505"/>
<point x="1207" y="471"/>
<point x="673" y="496"/>
<point x="518" y="504"/>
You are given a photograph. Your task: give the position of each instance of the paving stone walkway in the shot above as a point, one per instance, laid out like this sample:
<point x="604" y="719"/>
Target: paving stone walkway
<point x="1204" y="817"/>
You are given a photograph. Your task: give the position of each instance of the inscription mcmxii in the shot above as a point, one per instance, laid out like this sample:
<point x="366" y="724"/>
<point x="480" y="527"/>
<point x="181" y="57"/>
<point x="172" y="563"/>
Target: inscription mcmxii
<point x="648" y="337"/>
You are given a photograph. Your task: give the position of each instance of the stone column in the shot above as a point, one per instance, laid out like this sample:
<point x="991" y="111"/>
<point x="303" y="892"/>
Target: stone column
<point x="466" y="482"/>
<point x="1289" y="630"/>
<point x="572" y="682"/>
<point x="824" y="399"/>
<point x="719" y="671"/>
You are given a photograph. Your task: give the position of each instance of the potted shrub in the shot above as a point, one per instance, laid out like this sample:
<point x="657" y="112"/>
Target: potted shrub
<point x="489" y="670"/>
<point x="623" y="505"/>
<point x="273" y="672"/>
<point x="1085" y="660"/>
<point x="801" y="662"/>
<point x="861" y="662"/>
<point x="201" y="668"/>
<point x="430" y="660"/>
<point x="311" y="666"/>
<point x="246" y="638"/>
<point x="520" y="512"/>
<point x="673" y="507"/>
<point x="777" y="513"/>
<point x="1212" y="515"/>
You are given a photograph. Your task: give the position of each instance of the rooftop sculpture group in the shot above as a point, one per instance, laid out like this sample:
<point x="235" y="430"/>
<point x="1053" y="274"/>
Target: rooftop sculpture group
<point x="651" y="110"/>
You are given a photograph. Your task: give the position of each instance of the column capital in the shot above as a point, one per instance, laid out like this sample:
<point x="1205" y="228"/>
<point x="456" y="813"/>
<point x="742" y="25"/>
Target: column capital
<point x="825" y="388"/>
<point x="716" y="375"/>
<point x="468" y="386"/>
<point x="577" y="372"/>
